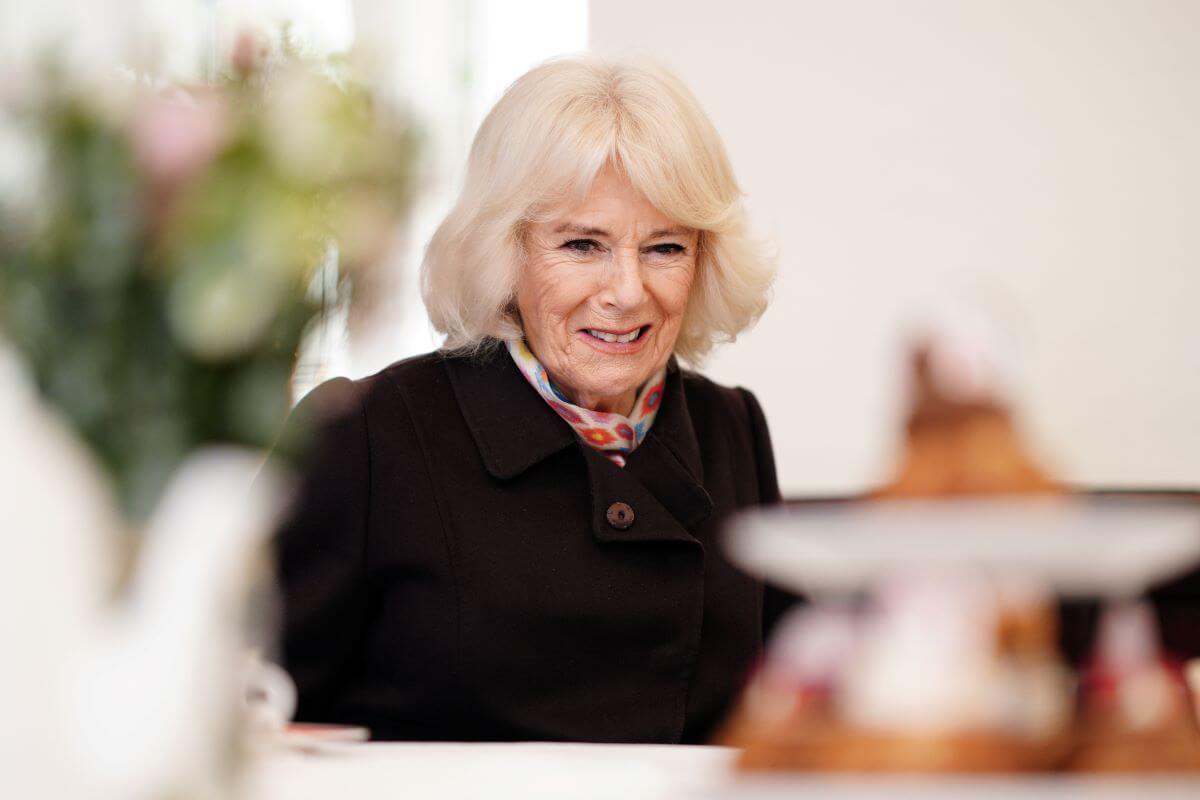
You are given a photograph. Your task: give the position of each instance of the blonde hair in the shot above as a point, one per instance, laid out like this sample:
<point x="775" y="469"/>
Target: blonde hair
<point x="544" y="143"/>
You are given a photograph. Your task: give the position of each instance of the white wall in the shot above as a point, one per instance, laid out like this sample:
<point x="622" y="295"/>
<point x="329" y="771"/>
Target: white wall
<point x="1041" y="158"/>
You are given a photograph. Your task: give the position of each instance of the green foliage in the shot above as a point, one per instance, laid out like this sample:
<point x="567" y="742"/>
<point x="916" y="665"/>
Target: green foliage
<point x="159" y="288"/>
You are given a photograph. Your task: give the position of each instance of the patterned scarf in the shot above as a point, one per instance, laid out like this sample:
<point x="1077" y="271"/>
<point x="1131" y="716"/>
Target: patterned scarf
<point x="615" y="435"/>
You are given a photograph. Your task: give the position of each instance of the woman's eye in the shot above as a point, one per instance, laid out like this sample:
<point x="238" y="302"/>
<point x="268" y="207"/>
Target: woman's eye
<point x="582" y="245"/>
<point x="667" y="249"/>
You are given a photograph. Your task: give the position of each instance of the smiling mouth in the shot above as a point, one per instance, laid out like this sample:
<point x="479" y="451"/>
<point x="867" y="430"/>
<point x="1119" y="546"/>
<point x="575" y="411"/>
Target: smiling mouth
<point x="614" y="337"/>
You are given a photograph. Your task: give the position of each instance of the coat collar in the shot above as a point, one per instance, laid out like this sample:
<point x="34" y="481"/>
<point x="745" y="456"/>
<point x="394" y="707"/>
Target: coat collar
<point x="514" y="429"/>
<point x="512" y="426"/>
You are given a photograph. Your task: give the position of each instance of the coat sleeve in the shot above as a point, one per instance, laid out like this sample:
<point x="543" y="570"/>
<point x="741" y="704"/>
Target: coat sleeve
<point x="776" y="602"/>
<point x="320" y="546"/>
<point x="764" y="454"/>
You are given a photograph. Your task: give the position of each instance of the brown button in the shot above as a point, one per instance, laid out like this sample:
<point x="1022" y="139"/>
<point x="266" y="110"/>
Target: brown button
<point x="620" y="516"/>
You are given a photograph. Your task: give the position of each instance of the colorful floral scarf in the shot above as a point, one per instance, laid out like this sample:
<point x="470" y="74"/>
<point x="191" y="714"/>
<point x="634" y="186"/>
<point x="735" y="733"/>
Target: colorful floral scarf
<point x="613" y="434"/>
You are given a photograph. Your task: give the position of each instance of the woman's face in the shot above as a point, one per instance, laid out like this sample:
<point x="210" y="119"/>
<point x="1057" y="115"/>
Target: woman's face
<point x="603" y="293"/>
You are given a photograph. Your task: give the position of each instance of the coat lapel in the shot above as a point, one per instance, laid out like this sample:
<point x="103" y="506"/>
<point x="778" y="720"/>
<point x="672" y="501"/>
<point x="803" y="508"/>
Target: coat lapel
<point x="512" y="426"/>
<point x="668" y="461"/>
<point x="662" y="481"/>
<point x="515" y="429"/>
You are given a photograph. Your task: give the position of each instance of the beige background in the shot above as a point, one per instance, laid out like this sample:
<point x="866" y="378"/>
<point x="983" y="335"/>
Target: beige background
<point x="1036" y="162"/>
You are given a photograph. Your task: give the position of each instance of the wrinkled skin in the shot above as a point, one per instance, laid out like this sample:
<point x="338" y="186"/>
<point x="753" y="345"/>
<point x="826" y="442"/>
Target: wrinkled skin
<point x="614" y="264"/>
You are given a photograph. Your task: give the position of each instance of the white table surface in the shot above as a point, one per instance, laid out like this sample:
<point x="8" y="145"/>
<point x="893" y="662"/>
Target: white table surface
<point x="519" y="770"/>
<point x="628" y="772"/>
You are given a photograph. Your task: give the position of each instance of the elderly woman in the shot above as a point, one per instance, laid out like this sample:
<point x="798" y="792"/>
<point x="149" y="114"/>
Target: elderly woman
<point x="516" y="537"/>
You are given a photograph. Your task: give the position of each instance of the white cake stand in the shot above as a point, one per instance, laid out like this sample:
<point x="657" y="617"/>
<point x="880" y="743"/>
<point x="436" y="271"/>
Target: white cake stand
<point x="1106" y="546"/>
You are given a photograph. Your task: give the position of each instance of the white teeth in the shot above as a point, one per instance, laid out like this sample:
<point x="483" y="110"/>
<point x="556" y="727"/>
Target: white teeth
<point x="612" y="337"/>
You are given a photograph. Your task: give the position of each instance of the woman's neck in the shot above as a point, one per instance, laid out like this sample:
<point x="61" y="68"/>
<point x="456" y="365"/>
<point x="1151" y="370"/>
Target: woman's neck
<point x="620" y="404"/>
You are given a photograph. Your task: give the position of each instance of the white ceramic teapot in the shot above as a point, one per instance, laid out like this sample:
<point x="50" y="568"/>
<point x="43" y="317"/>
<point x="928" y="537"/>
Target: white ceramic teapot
<point x="134" y="697"/>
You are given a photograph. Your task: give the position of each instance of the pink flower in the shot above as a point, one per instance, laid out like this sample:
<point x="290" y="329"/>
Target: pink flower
<point x="176" y="136"/>
<point x="652" y="399"/>
<point x="597" y="436"/>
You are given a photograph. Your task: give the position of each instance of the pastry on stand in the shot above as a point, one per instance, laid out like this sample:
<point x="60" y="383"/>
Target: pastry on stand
<point x="939" y="668"/>
<point x="960" y="439"/>
<point x="941" y="673"/>
<point x="1136" y="712"/>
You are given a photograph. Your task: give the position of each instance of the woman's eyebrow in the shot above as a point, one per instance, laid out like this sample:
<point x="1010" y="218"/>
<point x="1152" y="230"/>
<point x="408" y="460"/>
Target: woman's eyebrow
<point x="668" y="232"/>
<point x="582" y="230"/>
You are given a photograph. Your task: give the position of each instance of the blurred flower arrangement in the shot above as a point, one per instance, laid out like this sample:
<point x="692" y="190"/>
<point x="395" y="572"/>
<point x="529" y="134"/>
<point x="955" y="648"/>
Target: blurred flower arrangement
<point x="162" y="264"/>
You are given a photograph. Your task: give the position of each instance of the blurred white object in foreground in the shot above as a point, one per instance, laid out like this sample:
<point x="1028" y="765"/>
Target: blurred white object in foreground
<point x="131" y="700"/>
<point x="268" y="697"/>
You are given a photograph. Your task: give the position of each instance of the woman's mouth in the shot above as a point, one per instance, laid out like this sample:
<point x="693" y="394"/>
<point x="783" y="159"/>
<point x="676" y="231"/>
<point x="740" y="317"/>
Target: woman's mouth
<point x="610" y="336"/>
<point x="615" y="341"/>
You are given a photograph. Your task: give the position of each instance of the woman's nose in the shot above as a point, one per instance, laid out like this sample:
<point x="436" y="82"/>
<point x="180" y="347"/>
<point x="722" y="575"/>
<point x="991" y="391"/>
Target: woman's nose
<point x="625" y="290"/>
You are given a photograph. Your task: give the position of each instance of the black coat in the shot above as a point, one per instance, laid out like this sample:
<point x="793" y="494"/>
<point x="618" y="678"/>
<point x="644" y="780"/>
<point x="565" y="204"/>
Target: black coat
<point x="449" y="569"/>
